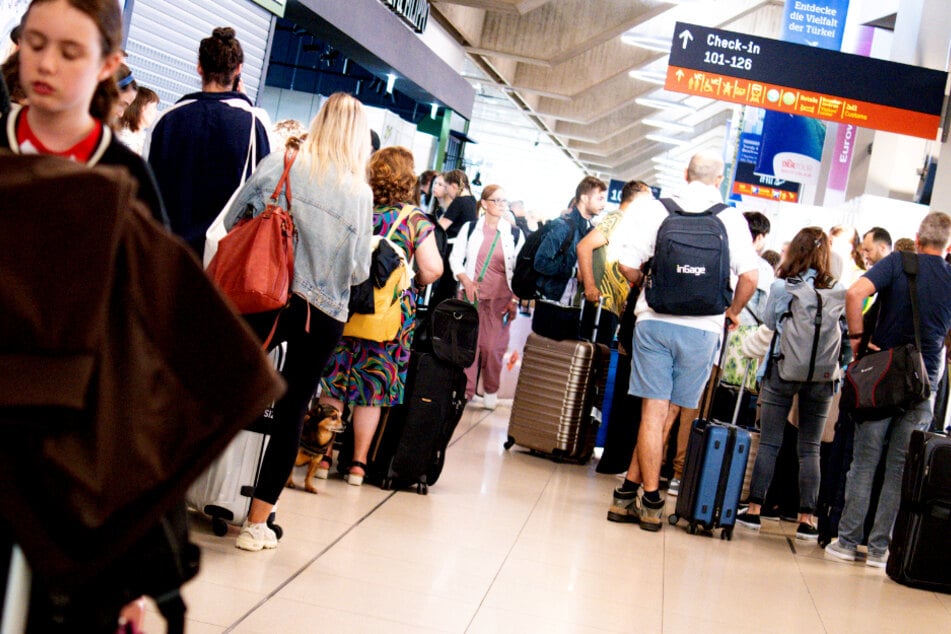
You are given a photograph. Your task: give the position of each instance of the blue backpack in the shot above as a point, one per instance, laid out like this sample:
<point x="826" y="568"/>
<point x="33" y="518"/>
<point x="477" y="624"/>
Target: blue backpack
<point x="690" y="271"/>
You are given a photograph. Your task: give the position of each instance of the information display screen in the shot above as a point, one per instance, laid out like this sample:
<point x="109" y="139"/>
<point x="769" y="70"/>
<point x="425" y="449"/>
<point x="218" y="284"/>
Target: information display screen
<point x="805" y="80"/>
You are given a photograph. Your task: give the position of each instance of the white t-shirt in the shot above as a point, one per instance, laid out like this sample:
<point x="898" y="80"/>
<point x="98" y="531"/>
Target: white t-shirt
<point x="636" y="245"/>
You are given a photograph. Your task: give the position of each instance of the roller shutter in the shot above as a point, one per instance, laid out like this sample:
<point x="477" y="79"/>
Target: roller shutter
<point x="164" y="35"/>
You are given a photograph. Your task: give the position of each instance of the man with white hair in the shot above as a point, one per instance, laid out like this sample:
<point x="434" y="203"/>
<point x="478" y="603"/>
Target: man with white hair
<point x="674" y="351"/>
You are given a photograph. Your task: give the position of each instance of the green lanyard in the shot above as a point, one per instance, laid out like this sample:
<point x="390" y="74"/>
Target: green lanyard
<point x="488" y="256"/>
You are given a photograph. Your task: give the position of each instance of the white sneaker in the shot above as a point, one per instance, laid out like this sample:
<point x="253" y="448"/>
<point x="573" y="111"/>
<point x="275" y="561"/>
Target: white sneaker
<point x="674" y="487"/>
<point x="254" y="537"/>
<point x="489" y="401"/>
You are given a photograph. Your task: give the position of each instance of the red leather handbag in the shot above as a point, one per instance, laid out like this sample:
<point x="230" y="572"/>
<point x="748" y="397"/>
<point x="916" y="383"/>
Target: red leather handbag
<point x="254" y="265"/>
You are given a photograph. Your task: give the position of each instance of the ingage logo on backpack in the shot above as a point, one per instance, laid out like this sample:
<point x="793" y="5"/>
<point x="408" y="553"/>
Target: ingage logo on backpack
<point x="691" y="270"/>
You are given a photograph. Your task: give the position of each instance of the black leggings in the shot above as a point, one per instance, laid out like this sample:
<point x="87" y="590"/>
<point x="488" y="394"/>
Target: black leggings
<point x="307" y="354"/>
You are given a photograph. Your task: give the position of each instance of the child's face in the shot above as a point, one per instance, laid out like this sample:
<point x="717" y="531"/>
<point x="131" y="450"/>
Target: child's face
<point x="61" y="60"/>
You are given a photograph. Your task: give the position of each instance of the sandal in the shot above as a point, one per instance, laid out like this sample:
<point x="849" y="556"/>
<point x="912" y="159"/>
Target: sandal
<point x="323" y="470"/>
<point x="356" y="479"/>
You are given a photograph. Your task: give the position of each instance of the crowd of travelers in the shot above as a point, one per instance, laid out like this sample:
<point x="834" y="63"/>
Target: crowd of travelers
<point x="80" y="101"/>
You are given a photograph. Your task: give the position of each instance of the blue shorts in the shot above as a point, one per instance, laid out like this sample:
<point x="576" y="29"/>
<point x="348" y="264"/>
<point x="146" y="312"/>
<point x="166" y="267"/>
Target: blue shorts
<point x="671" y="362"/>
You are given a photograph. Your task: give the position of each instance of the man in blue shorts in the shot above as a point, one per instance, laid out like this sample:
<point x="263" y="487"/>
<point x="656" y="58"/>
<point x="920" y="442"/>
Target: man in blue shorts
<point x="673" y="354"/>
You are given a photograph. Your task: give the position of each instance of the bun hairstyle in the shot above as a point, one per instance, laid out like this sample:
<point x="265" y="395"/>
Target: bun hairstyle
<point x="108" y="18"/>
<point x="220" y="56"/>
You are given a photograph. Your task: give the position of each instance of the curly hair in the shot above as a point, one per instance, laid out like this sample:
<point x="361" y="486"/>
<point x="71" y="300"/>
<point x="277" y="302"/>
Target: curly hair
<point x="220" y="56"/>
<point x="392" y="176"/>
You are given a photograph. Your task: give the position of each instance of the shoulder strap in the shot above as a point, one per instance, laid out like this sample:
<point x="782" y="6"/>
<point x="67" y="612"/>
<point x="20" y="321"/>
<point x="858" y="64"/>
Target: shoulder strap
<point x="567" y="241"/>
<point x="405" y="211"/>
<point x="285" y="181"/>
<point x="909" y="264"/>
<point x="671" y="206"/>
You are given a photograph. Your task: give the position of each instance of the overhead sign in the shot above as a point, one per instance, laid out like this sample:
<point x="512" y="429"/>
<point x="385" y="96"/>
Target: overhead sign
<point x="276" y="7"/>
<point x="805" y="80"/>
<point x="818" y="23"/>
<point x="414" y="12"/>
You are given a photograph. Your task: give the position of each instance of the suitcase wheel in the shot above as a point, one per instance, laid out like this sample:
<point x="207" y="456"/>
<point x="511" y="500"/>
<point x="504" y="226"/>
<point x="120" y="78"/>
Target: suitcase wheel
<point x="387" y="484"/>
<point x="672" y="518"/>
<point x="727" y="534"/>
<point x="422" y="488"/>
<point x="692" y="528"/>
<point x="278" y="531"/>
<point x="508" y="443"/>
<point x="219" y="526"/>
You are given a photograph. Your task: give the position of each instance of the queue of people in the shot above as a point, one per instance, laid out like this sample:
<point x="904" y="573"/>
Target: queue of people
<point x="89" y="109"/>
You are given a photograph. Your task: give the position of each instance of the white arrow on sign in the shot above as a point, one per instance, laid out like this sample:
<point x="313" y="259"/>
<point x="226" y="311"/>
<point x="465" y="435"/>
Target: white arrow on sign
<point x="680" y="75"/>
<point x="686" y="36"/>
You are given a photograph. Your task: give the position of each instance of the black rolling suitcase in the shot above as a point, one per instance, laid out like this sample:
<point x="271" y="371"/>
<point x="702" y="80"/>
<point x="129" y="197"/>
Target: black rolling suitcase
<point x="919" y="555"/>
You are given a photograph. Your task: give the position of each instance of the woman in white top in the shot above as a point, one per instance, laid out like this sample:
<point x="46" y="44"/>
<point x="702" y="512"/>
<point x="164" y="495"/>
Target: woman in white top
<point x="483" y="259"/>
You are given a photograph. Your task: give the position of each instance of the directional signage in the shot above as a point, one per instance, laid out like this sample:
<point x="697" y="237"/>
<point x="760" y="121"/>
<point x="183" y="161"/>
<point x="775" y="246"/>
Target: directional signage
<point x="807" y="81"/>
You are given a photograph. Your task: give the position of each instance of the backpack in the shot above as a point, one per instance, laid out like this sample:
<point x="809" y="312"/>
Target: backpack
<point x="384" y="323"/>
<point x="515" y="231"/>
<point x="525" y="276"/>
<point x="812" y="333"/>
<point x="690" y="271"/>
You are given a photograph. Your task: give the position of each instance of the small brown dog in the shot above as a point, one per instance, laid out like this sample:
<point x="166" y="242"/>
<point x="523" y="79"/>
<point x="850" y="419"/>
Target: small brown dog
<point x="320" y="425"/>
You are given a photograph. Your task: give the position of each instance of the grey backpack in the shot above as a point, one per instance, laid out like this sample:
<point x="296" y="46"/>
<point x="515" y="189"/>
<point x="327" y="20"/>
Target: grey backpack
<point x="812" y="333"/>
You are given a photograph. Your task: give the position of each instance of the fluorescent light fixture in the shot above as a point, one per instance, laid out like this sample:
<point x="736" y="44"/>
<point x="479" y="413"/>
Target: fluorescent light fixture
<point x="390" y="82"/>
<point x="650" y="76"/>
<point x="663" y="104"/>
<point x="673" y="126"/>
<point x="668" y="162"/>
<point x="660" y="138"/>
<point x="433" y="110"/>
<point x="650" y="42"/>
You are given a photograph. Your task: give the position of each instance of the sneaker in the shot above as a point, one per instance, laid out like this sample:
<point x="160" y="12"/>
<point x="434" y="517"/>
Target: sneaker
<point x="650" y="514"/>
<point x="807" y="532"/>
<point x="674" y="487"/>
<point x="254" y="537"/>
<point x="623" y="507"/>
<point x="837" y="550"/>
<point x="489" y="401"/>
<point x="876" y="560"/>
<point x="746" y="520"/>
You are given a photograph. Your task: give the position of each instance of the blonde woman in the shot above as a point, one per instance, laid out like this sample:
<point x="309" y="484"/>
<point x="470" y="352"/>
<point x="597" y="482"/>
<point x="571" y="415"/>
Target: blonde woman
<point x="483" y="260"/>
<point x="332" y="205"/>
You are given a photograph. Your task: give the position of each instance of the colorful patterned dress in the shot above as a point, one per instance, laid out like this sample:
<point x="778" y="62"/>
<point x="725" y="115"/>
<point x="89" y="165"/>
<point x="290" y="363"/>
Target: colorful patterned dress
<point x="363" y="372"/>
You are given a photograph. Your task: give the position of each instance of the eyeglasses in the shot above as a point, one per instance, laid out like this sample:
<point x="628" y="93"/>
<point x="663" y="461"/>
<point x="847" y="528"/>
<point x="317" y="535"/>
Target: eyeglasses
<point x="497" y="201"/>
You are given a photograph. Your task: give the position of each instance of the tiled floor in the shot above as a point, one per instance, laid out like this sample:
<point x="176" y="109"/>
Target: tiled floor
<point x="509" y="542"/>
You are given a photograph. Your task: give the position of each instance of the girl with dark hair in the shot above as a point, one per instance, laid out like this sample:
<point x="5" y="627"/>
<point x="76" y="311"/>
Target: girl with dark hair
<point x="66" y="64"/>
<point x="205" y="146"/>
<point x="370" y="375"/>
<point x="808" y="258"/>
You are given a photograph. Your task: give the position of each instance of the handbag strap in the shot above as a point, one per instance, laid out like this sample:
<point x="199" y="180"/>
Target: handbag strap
<point x="405" y="211"/>
<point x="488" y="256"/>
<point x="909" y="264"/>
<point x="285" y="182"/>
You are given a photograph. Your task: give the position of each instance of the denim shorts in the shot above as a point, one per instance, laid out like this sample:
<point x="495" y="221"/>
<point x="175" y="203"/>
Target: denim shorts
<point x="671" y="362"/>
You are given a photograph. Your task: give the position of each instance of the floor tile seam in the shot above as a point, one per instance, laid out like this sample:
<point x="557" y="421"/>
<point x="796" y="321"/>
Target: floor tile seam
<point x="511" y="611"/>
<point x="553" y="469"/>
<point x="479" y="420"/>
<point x="270" y="595"/>
<point x="805" y="583"/>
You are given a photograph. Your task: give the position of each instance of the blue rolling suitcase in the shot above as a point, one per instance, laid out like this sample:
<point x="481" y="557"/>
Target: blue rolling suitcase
<point x="713" y="477"/>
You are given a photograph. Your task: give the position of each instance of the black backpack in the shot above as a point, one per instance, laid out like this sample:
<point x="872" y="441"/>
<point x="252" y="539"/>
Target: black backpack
<point x="690" y="271"/>
<point x="525" y="276"/>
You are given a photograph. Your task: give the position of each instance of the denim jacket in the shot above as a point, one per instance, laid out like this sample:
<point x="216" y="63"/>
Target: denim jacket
<point x="557" y="269"/>
<point x="334" y="227"/>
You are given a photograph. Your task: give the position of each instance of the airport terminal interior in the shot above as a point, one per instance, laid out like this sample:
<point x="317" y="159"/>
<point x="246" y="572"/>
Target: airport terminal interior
<point x="507" y="541"/>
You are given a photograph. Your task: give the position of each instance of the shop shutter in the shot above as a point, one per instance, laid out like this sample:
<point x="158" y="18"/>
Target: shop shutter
<point x="162" y="43"/>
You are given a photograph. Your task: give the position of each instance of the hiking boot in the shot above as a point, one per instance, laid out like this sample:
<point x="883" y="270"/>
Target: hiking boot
<point x="650" y="514"/>
<point x="876" y="560"/>
<point x="807" y="532"/>
<point x="255" y="537"/>
<point x="623" y="507"/>
<point x="674" y="487"/>
<point x="746" y="520"/>
<point x="837" y="550"/>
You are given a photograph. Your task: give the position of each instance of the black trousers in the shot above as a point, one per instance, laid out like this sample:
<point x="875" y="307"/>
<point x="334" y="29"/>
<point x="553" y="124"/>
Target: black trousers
<point x="304" y="363"/>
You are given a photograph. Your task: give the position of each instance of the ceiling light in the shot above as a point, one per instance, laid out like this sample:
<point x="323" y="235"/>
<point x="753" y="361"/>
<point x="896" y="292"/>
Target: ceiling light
<point x="390" y="82"/>
<point x="673" y="126"/>
<point x="650" y="42"/>
<point x="650" y="76"/>
<point x="663" y="104"/>
<point x="669" y="162"/>
<point x="433" y="110"/>
<point x="660" y="138"/>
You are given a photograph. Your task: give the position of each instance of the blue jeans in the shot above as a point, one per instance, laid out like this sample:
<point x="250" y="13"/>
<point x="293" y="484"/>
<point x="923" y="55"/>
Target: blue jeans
<point x="869" y="444"/>
<point x="775" y="400"/>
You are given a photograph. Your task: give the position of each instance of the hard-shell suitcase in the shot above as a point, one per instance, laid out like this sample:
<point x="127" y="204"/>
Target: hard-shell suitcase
<point x="224" y="491"/>
<point x="559" y="383"/>
<point x="409" y="446"/>
<point x="919" y="555"/>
